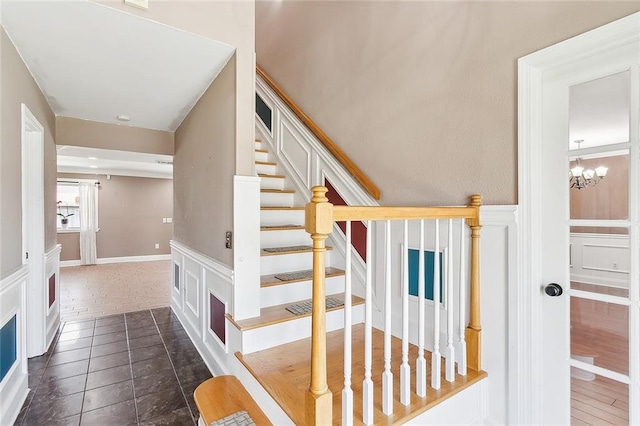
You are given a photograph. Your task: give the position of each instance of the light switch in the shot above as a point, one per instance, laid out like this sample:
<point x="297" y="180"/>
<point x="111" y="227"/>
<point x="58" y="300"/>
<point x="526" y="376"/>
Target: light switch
<point x="140" y="4"/>
<point x="169" y="220"/>
<point x="164" y="220"/>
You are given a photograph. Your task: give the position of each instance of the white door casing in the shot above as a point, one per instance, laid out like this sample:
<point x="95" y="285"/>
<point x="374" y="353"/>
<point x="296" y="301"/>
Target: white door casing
<point x="542" y="323"/>
<point x="33" y="230"/>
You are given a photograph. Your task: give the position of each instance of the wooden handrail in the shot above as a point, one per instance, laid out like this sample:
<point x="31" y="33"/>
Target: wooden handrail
<point x="363" y="213"/>
<point x="349" y="165"/>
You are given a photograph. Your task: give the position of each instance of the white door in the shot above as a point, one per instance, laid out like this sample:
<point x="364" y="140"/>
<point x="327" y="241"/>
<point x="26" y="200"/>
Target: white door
<point x="33" y="230"/>
<point x="581" y="247"/>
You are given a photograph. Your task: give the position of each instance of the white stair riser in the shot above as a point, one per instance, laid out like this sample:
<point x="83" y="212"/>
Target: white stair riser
<point x="276" y="199"/>
<point x="258" y="145"/>
<point x="278" y="334"/>
<point x="274" y="264"/>
<point x="261" y="156"/>
<point x="271" y="183"/>
<point x="265" y="169"/>
<point x="281" y="217"/>
<point x="294" y="292"/>
<point x="290" y="237"/>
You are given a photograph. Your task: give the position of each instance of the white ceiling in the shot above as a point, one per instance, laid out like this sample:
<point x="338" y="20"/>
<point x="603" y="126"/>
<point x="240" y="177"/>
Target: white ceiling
<point x="95" y="63"/>
<point x="599" y="111"/>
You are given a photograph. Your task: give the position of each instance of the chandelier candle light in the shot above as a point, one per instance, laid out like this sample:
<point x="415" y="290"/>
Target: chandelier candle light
<point x="581" y="177"/>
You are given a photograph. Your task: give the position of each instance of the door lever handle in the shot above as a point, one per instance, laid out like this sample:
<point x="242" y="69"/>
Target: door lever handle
<point x="553" y="290"/>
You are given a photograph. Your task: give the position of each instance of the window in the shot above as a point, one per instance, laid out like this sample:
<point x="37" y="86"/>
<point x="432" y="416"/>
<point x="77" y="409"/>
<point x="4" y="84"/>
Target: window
<point x="68" y="204"/>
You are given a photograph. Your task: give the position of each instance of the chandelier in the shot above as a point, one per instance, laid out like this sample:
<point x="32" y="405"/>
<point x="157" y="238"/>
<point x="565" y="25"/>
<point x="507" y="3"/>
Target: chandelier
<point x="581" y="177"/>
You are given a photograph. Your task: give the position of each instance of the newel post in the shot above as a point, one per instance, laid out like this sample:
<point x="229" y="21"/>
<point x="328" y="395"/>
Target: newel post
<point x="473" y="333"/>
<point x="318" y="223"/>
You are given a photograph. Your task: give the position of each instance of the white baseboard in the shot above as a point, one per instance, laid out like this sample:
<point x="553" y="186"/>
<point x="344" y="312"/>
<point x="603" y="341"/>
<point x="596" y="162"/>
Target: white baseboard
<point x="124" y="259"/>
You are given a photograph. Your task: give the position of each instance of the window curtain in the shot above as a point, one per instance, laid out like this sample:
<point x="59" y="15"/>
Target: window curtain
<point x="88" y="222"/>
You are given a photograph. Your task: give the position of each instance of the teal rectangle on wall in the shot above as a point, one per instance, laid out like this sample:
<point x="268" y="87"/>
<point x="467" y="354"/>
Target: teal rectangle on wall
<point x="8" y="346"/>
<point x="414" y="260"/>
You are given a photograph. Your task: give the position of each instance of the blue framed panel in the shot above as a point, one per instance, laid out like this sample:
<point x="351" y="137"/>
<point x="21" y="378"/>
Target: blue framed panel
<point x="8" y="346"/>
<point x="414" y="265"/>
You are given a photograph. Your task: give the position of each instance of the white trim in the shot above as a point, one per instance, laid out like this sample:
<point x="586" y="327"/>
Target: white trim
<point x="245" y="301"/>
<point x="211" y="264"/>
<point x="525" y="407"/>
<point x="124" y="259"/>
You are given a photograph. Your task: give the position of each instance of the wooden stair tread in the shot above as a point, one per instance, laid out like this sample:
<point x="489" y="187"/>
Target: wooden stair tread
<point x="307" y="249"/>
<point x="222" y="396"/>
<point x="264" y="175"/>
<point x="277" y="314"/>
<point x="271" y="280"/>
<point x="283" y="208"/>
<point x="266" y="163"/>
<point x="284" y="372"/>
<point x="281" y="227"/>
<point x="278" y="191"/>
<point x="262" y="150"/>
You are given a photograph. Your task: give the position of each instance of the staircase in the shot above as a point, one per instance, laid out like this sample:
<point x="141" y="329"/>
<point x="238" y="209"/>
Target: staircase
<point x="285" y="266"/>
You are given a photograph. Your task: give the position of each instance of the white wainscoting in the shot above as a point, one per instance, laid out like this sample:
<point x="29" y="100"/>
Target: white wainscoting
<point x="14" y="387"/>
<point x="52" y="313"/>
<point x="601" y="259"/>
<point x="198" y="277"/>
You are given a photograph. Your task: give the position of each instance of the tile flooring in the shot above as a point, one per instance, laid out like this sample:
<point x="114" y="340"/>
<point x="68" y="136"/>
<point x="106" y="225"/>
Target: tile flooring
<point x="98" y="290"/>
<point x="138" y="368"/>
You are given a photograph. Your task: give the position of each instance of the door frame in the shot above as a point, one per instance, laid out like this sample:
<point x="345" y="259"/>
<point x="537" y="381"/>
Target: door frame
<point x="33" y="230"/>
<point x="525" y="378"/>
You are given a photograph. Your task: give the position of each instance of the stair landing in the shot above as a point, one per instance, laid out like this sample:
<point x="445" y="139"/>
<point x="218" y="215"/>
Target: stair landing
<point x="284" y="371"/>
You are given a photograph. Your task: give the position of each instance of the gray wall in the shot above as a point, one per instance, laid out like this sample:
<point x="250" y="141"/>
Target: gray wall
<point x="421" y="95"/>
<point x="130" y="212"/>
<point x="93" y="134"/>
<point x="203" y="169"/>
<point x="19" y="87"/>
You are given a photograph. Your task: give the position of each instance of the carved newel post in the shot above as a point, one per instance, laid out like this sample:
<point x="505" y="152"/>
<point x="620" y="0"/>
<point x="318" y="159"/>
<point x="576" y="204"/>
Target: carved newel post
<point x="473" y="334"/>
<point x="318" y="223"/>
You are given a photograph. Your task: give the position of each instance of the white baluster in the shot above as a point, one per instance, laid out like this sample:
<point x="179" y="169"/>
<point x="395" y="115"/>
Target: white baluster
<point x="347" y="392"/>
<point x="436" y="368"/>
<point x="421" y="362"/>
<point x="367" y="383"/>
<point x="450" y="354"/>
<point x="462" y="344"/>
<point x="405" y="370"/>
<point x="387" y="375"/>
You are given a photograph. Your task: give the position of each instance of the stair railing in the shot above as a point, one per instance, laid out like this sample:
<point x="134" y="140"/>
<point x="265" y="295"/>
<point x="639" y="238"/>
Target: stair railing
<point x="320" y="217"/>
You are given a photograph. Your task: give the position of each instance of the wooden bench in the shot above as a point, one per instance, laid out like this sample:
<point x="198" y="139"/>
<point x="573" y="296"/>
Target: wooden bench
<point x="222" y="396"/>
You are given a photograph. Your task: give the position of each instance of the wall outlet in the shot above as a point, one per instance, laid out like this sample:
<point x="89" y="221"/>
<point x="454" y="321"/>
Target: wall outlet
<point x="227" y="239"/>
<point x="157" y="245"/>
<point x="169" y="220"/>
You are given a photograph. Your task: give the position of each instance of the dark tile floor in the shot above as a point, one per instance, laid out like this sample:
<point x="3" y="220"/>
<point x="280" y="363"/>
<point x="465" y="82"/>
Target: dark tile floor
<point x="138" y="368"/>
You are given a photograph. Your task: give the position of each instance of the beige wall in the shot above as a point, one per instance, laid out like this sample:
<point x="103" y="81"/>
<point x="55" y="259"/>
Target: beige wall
<point x="216" y="139"/>
<point x="93" y="134"/>
<point x="421" y="95"/>
<point x="607" y="200"/>
<point x="130" y="212"/>
<point x="19" y="87"/>
<point x="203" y="171"/>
